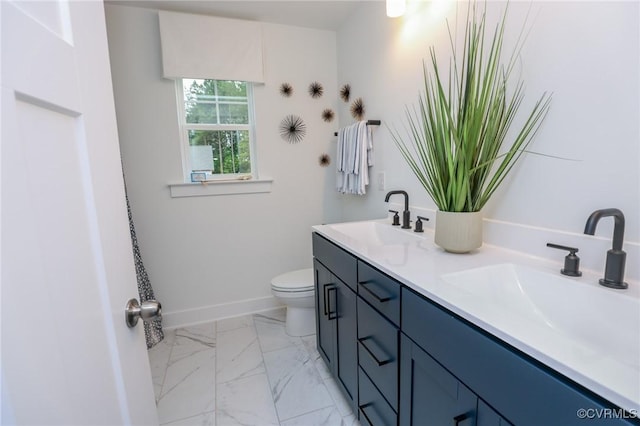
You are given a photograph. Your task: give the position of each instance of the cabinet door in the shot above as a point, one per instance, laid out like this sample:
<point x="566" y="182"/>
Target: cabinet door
<point x="430" y="395"/>
<point x="347" y="343"/>
<point x="325" y="313"/>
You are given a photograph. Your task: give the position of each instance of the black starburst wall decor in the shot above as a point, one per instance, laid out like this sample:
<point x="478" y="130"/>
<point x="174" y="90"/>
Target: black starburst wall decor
<point x="324" y="160"/>
<point x="345" y="92"/>
<point x="316" y="90"/>
<point x="357" y="109"/>
<point x="286" y="90"/>
<point x="328" y="115"/>
<point x="292" y="129"/>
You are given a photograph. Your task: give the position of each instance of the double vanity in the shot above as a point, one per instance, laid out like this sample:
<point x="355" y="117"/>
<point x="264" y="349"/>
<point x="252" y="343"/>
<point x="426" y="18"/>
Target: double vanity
<point x="417" y="336"/>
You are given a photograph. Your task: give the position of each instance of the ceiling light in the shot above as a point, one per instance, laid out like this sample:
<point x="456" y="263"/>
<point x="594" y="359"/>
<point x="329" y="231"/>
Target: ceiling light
<point x="395" y="8"/>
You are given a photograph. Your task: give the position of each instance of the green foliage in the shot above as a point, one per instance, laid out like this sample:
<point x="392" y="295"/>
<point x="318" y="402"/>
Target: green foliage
<point x="220" y="103"/>
<point x="457" y="135"/>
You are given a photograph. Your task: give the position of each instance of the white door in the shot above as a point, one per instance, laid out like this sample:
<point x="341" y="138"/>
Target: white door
<point x="67" y="270"/>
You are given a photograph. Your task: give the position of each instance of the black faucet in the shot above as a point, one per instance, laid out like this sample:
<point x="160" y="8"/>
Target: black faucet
<point x="406" y="215"/>
<point x="616" y="257"/>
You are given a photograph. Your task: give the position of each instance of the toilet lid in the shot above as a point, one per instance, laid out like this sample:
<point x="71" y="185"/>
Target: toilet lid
<point x="300" y="280"/>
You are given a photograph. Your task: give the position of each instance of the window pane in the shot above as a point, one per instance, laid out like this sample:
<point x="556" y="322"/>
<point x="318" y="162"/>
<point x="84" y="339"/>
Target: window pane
<point x="230" y="152"/>
<point x="234" y="114"/>
<point x="244" y="157"/>
<point x="215" y="101"/>
<point x="198" y="112"/>
<point x="232" y="88"/>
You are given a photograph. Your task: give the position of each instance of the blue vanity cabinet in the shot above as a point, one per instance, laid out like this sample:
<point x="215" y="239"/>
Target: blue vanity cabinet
<point x="519" y="388"/>
<point x="335" y="273"/>
<point x="402" y="359"/>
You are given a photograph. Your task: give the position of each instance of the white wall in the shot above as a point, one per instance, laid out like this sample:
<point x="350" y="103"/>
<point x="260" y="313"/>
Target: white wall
<point x="214" y="256"/>
<point x="586" y="53"/>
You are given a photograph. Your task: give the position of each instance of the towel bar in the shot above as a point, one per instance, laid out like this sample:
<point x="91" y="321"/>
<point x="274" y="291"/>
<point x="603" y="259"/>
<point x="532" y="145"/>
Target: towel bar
<point x="369" y="123"/>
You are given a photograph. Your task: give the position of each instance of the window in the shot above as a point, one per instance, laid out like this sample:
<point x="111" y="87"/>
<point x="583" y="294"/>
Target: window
<point x="217" y="128"/>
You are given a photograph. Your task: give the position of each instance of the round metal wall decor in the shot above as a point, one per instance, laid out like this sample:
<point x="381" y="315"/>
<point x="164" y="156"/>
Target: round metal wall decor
<point x="328" y="115"/>
<point x="286" y="90"/>
<point x="324" y="160"/>
<point x="316" y="90"/>
<point x="345" y="92"/>
<point x="293" y="129"/>
<point x="357" y="109"/>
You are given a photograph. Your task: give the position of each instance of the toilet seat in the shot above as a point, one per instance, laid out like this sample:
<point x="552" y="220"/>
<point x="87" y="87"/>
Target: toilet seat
<point x="294" y="281"/>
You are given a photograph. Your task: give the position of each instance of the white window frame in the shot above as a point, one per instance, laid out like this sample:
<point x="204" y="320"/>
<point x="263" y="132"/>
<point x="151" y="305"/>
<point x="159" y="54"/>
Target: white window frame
<point x="184" y="137"/>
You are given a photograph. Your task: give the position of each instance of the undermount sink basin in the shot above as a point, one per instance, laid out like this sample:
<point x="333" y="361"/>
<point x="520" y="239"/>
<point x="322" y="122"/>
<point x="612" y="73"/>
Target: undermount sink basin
<point x="599" y="319"/>
<point x="373" y="233"/>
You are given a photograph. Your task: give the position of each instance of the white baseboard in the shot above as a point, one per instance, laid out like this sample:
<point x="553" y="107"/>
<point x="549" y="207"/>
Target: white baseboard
<point x="210" y="313"/>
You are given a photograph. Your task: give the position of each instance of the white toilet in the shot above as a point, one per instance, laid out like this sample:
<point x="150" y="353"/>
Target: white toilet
<point x="295" y="289"/>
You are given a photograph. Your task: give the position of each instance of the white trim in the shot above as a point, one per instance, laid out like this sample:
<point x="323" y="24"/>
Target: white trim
<point x="222" y="187"/>
<point x="210" y="313"/>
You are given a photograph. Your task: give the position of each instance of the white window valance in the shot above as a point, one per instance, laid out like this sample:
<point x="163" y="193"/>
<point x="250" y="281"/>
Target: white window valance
<point x="199" y="46"/>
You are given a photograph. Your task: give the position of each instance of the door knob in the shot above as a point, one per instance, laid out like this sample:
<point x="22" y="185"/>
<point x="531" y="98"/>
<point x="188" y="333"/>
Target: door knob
<point x="147" y="311"/>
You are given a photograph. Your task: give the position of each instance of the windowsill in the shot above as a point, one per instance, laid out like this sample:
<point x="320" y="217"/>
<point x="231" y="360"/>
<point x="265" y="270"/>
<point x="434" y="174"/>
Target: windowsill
<point x="226" y="187"/>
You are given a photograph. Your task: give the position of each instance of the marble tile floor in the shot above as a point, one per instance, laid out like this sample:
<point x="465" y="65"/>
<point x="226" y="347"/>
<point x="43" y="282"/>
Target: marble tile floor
<point x="244" y="371"/>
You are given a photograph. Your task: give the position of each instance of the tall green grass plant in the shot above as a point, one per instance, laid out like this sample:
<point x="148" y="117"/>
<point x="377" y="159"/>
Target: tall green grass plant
<point x="458" y="141"/>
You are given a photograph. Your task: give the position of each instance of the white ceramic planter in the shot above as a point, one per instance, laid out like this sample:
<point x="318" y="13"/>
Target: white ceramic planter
<point x="458" y="232"/>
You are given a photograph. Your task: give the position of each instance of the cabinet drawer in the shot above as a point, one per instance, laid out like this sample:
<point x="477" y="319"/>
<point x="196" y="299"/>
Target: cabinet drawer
<point x="381" y="291"/>
<point x="378" y="351"/>
<point x="374" y="409"/>
<point x="339" y="262"/>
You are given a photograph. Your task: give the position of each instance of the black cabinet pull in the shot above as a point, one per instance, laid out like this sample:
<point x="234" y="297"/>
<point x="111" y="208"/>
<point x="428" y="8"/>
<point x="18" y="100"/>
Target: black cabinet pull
<point x="364" y="413"/>
<point x="332" y="314"/>
<point x="324" y="291"/>
<point x="460" y="418"/>
<point x="362" y="341"/>
<point x="327" y="307"/>
<point x="380" y="299"/>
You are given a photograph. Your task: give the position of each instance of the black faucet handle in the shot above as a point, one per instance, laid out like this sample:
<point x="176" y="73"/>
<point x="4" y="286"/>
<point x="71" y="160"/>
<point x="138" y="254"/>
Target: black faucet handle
<point x="571" y="261"/>
<point x="396" y="218"/>
<point x="571" y="250"/>
<point x="419" y="223"/>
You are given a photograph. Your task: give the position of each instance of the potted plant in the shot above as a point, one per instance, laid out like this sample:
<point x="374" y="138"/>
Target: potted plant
<point x="459" y="142"/>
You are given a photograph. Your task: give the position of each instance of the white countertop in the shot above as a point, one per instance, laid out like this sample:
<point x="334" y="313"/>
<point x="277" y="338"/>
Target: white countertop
<point x="611" y="371"/>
